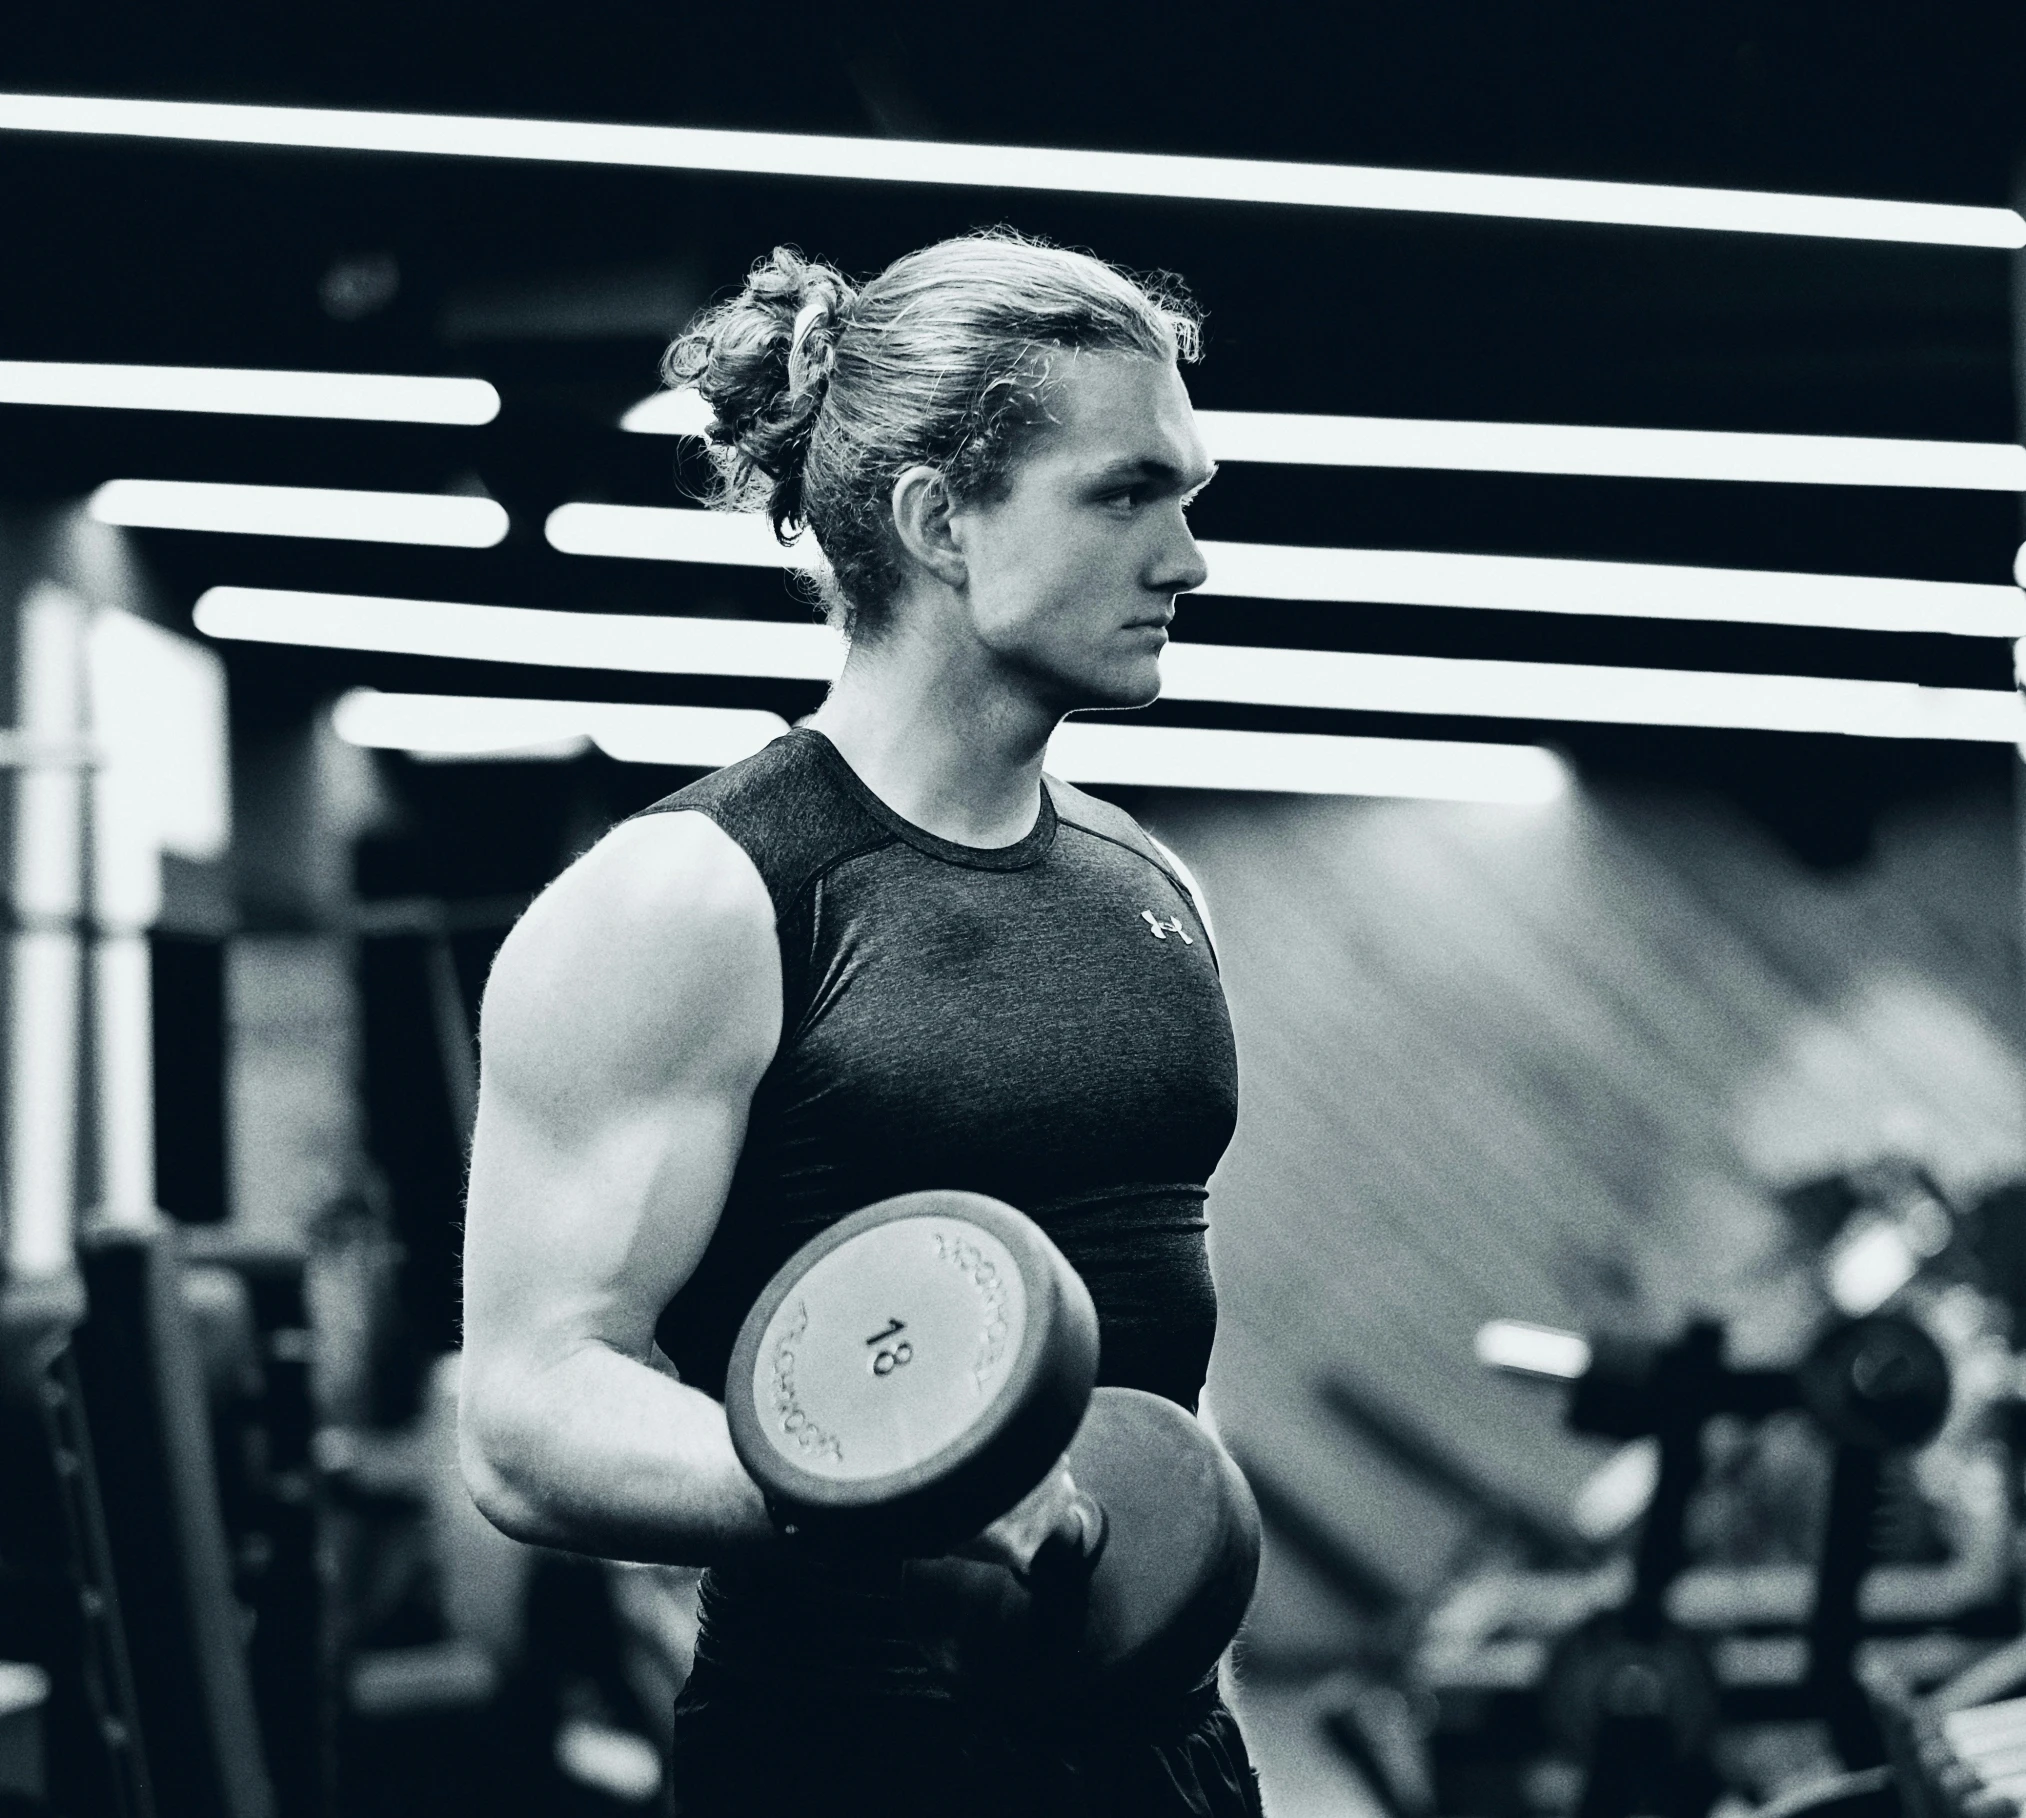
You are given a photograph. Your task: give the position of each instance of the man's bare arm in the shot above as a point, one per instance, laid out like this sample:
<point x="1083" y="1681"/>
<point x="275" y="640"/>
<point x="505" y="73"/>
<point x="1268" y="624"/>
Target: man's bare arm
<point x="628" y="1019"/>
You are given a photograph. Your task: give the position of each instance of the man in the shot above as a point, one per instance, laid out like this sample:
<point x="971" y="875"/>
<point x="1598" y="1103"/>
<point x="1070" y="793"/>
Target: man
<point x="883" y="954"/>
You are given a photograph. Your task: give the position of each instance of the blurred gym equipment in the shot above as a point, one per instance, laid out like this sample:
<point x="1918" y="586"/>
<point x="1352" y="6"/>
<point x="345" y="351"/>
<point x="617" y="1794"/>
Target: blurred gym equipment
<point x="1632" y="1678"/>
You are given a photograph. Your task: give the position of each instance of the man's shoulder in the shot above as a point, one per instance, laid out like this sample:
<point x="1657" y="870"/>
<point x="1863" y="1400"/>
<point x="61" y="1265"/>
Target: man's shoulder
<point x="786" y="807"/>
<point x="663" y="926"/>
<point x="1076" y="808"/>
<point x="782" y="765"/>
<point x="652" y="886"/>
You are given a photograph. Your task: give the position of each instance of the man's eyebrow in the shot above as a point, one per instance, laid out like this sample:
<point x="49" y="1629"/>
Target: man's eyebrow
<point x="1150" y="467"/>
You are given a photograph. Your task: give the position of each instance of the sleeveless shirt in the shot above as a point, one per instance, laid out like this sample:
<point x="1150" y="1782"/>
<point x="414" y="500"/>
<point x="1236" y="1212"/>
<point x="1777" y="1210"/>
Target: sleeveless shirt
<point x="1042" y="1022"/>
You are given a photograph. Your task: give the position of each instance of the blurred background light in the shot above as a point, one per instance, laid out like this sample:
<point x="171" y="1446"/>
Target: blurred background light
<point x="1285" y="439"/>
<point x="1331" y="680"/>
<point x="655" y="533"/>
<point x="1405" y="577"/>
<point x="471" y="726"/>
<point x="678" y="412"/>
<point x="1356" y="681"/>
<point x="1021" y="167"/>
<point x="236" y="391"/>
<point x="1304" y="763"/>
<point x="446" y="520"/>
<point x="1173" y="757"/>
<point x="1641" y="590"/>
<point x="1531" y="1350"/>
<point x="1567" y="448"/>
<point x="522" y="634"/>
<point x="1618" y="1492"/>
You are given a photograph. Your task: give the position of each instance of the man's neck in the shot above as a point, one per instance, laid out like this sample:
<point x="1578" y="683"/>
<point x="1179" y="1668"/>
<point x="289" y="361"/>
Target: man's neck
<point x="941" y="738"/>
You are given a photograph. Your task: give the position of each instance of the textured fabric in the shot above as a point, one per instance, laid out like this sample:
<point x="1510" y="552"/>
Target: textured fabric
<point x="745" y="1753"/>
<point x="1041" y="1022"/>
<point x="1006" y="1021"/>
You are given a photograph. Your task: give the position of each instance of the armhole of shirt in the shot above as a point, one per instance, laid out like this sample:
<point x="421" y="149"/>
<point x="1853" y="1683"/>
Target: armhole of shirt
<point x="792" y="965"/>
<point x="1189" y="884"/>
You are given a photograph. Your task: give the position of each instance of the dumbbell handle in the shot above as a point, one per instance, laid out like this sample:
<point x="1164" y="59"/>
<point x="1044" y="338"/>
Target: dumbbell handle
<point x="1055" y="1526"/>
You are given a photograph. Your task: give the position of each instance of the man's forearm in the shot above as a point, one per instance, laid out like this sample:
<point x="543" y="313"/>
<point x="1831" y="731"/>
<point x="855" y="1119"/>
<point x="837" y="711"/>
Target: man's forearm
<point x="598" y="1453"/>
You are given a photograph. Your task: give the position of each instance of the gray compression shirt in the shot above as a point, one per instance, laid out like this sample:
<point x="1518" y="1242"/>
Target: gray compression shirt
<point x="1041" y="1022"/>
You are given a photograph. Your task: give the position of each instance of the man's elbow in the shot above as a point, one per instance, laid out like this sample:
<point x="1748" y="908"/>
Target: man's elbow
<point x="494" y="1451"/>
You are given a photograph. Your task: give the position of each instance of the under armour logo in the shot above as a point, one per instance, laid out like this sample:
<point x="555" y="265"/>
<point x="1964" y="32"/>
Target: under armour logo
<point x="1160" y="930"/>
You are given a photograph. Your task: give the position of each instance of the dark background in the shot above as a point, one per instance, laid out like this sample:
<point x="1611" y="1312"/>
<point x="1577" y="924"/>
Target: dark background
<point x="561" y="284"/>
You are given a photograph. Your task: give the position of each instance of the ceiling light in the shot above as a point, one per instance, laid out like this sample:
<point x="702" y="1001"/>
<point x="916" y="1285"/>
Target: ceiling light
<point x="1170" y="757"/>
<point x="1019" y="167"/>
<point x="448" y="520"/>
<point x="446" y="725"/>
<point x="237" y="391"/>
<point x="1405" y="577"/>
<point x="1554" y="448"/>
<point x="681" y="412"/>
<point x="455" y="725"/>
<point x="1304" y="763"/>
<point x="654" y="533"/>
<point x="1567" y="448"/>
<point x="523" y="634"/>
<point x="1357" y="682"/>
<point x="1640" y="590"/>
<point x="1329" y="680"/>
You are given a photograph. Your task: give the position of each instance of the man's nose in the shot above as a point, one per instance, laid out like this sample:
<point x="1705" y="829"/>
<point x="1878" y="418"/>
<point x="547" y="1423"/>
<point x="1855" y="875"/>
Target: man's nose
<point x="1182" y="568"/>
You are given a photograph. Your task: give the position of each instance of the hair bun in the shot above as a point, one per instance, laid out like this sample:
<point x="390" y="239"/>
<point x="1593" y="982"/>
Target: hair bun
<point x="762" y="363"/>
<point x="812" y="346"/>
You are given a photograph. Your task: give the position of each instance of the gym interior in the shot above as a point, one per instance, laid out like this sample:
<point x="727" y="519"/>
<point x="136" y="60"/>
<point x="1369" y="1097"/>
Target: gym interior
<point x="1597" y="744"/>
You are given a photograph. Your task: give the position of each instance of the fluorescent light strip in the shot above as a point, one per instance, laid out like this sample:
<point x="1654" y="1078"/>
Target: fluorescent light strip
<point x="449" y="726"/>
<point x="233" y="391"/>
<point x="1339" y="681"/>
<point x="1020" y="167"/>
<point x="1304" y="763"/>
<point x="1554" y="448"/>
<point x="446" y="520"/>
<point x="677" y="412"/>
<point x="656" y="533"/>
<point x="1356" y="682"/>
<point x="472" y="726"/>
<point x="1628" y="590"/>
<point x="1530" y="1350"/>
<point x="1406" y="577"/>
<point x="1652" y="454"/>
<point x="524" y="634"/>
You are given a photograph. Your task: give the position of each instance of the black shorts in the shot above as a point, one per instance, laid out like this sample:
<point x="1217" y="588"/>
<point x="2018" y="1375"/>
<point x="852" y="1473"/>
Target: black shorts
<point x="745" y="1750"/>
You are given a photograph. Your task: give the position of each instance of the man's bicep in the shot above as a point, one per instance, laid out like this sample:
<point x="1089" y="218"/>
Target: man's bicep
<point x="586" y="1240"/>
<point x="627" y="1022"/>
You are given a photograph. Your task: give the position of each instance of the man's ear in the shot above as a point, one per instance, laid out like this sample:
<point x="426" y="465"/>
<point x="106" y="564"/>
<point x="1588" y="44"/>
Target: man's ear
<point x="921" y="518"/>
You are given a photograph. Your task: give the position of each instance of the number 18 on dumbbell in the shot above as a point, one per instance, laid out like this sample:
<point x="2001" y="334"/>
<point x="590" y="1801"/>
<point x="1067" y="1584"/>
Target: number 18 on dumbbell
<point x="918" y="1383"/>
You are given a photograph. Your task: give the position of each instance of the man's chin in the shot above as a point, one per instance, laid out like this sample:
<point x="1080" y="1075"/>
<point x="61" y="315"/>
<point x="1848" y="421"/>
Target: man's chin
<point x="1115" y="690"/>
<point x="1137" y="686"/>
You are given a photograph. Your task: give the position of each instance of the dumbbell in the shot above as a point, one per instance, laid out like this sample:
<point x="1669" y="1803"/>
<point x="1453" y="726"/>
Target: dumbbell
<point x="927" y="1365"/>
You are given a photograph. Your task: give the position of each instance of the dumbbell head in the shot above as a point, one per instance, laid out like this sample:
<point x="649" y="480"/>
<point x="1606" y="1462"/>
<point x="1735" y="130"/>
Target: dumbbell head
<point x="1163" y="1599"/>
<point x="912" y="1373"/>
